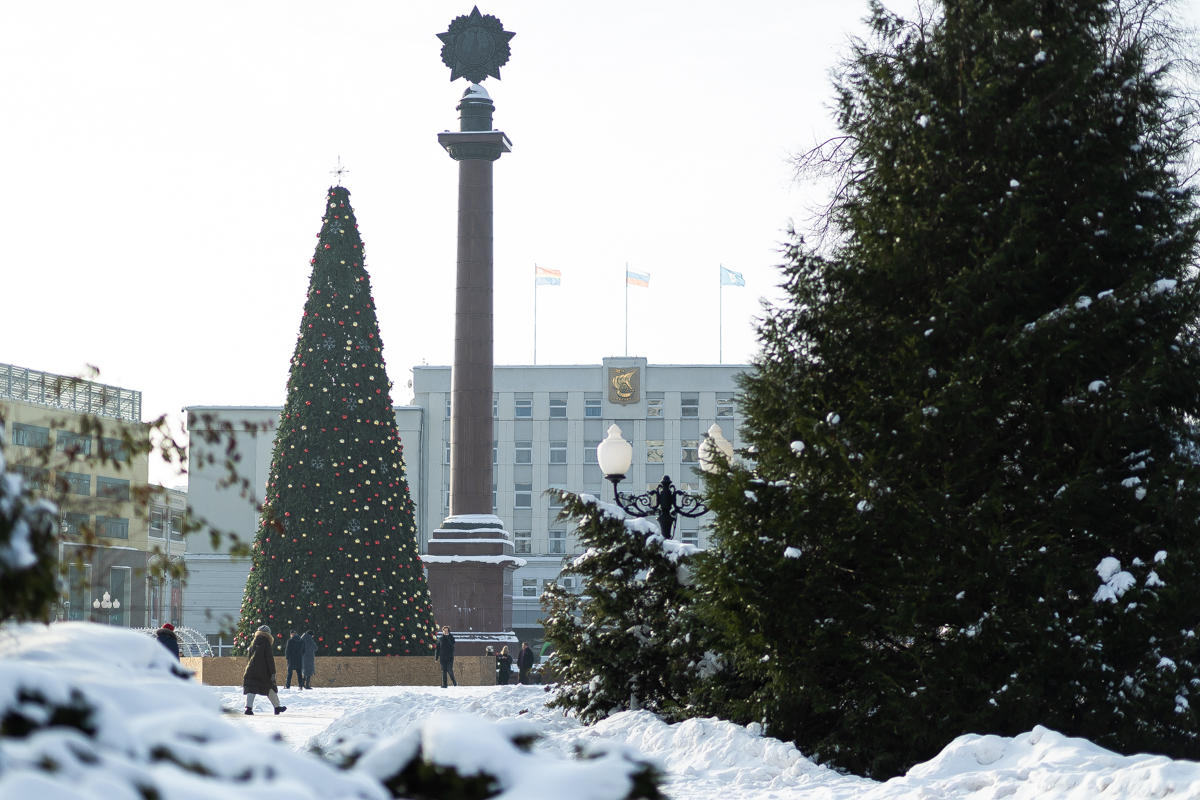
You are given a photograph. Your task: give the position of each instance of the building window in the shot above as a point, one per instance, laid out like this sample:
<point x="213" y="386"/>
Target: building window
<point x="523" y="497"/>
<point x="654" y="451"/>
<point x="690" y="451"/>
<point x="529" y="587"/>
<point x="74" y="524"/>
<point x="112" y="527"/>
<point x="495" y="406"/>
<point x="38" y="477"/>
<point x="30" y="435"/>
<point x="558" y="407"/>
<point x="495" y="453"/>
<point x="176" y="527"/>
<point x="79" y="591"/>
<point x="113" y="449"/>
<point x="522" y="542"/>
<point x="724" y="407"/>
<point x="654" y="404"/>
<point x="112" y="488"/>
<point x="690" y="405"/>
<point x="522" y="452"/>
<point x="220" y="644"/>
<point x="447" y="461"/>
<point x="156" y="524"/>
<point x="118" y="589"/>
<point x="558" y="543"/>
<point x="691" y="537"/>
<point x="75" y="483"/>
<point x="689" y="488"/>
<point x="495" y="497"/>
<point x="68" y="442"/>
<point x="591" y="407"/>
<point x="523" y="408"/>
<point x="589" y="451"/>
<point x="555" y="499"/>
<point x="558" y="452"/>
<point x="447" y="406"/>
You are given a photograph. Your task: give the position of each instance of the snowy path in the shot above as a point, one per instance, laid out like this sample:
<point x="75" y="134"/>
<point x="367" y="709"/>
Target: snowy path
<point x="707" y="759"/>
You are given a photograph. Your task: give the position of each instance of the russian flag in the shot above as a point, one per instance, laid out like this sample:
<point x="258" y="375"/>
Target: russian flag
<point x="637" y="278"/>
<point x="546" y="277"/>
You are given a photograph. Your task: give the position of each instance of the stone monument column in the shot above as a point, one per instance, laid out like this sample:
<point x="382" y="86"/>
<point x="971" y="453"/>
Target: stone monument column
<point x="470" y="560"/>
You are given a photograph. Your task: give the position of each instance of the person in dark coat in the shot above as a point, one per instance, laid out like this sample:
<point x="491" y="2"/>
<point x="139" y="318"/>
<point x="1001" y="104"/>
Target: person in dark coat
<point x="443" y="653"/>
<point x="310" y="658"/>
<point x="260" y="672"/>
<point x="504" y="664"/>
<point x="294" y="653"/>
<point x="167" y="638"/>
<point x="524" y="663"/>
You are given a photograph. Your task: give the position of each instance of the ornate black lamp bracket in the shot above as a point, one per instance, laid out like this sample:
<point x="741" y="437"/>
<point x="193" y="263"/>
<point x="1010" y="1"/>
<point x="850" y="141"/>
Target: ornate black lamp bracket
<point x="665" y="502"/>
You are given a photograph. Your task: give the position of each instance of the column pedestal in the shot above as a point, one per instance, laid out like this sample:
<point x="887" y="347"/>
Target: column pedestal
<point x="471" y="565"/>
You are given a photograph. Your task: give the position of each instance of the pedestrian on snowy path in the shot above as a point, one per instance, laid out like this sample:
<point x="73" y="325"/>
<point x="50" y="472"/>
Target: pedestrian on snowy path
<point x="167" y="638"/>
<point x="504" y="664"/>
<point x="259" y="677"/>
<point x="443" y="653"/>
<point x="294" y="653"/>
<point x="524" y="663"/>
<point x="310" y="658"/>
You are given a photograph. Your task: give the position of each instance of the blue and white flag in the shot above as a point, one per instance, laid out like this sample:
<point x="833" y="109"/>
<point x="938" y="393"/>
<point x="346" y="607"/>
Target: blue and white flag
<point x="731" y="278"/>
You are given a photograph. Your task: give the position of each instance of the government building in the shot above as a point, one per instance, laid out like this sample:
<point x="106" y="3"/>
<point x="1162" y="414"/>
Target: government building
<point x="548" y="422"/>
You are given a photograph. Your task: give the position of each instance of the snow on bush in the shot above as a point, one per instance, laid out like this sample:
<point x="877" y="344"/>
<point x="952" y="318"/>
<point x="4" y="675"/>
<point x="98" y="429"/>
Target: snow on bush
<point x="28" y="545"/>
<point x="89" y="712"/>
<point x="454" y="755"/>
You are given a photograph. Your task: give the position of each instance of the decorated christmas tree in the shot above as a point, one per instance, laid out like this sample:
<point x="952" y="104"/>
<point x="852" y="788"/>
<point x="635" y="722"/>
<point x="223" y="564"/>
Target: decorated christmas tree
<point x="336" y="549"/>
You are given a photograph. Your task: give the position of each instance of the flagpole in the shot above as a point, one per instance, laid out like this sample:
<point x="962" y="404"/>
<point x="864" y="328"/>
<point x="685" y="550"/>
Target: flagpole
<point x="720" y="317"/>
<point x="627" y="309"/>
<point x="535" y="285"/>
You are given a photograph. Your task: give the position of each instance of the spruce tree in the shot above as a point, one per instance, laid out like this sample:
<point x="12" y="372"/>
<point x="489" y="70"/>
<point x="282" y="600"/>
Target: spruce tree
<point x="624" y="643"/>
<point x="336" y="547"/>
<point x="974" y="498"/>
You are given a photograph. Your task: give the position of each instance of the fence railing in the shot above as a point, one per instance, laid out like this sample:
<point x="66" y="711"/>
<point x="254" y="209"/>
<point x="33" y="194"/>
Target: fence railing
<point x="69" y="394"/>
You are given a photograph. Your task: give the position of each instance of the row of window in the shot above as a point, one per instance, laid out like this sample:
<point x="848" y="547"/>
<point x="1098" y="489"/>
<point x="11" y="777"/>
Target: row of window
<point x="82" y="595"/>
<point x="160" y="520"/>
<point x="593" y="406"/>
<point x="65" y="441"/>
<point x="77" y="483"/>
<point x="110" y="527"/>
<point x="689" y="452"/>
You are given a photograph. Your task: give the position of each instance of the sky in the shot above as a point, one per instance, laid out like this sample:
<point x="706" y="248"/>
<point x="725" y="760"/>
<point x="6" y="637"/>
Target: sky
<point x="166" y="165"/>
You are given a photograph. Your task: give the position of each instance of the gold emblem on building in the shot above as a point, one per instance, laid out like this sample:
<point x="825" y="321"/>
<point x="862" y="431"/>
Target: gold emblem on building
<point x="624" y="385"/>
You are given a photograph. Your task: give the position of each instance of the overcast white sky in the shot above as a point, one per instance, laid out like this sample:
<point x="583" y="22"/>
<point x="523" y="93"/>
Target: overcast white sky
<point x="165" y="165"/>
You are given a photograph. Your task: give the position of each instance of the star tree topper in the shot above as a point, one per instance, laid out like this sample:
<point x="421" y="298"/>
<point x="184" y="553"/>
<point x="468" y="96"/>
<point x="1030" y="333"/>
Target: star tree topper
<point x="475" y="47"/>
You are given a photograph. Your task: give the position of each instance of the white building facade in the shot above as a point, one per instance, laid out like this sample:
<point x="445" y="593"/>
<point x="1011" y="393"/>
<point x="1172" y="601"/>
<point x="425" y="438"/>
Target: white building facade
<point x="548" y="421"/>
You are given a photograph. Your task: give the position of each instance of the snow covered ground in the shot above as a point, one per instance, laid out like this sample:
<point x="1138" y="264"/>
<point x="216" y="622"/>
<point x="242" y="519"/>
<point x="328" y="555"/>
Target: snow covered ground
<point x="707" y="759"/>
<point x="89" y="712"/>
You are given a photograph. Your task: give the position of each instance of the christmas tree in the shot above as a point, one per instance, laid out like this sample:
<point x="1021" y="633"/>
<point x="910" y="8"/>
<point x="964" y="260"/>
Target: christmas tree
<point x="974" y="498"/>
<point x="336" y="548"/>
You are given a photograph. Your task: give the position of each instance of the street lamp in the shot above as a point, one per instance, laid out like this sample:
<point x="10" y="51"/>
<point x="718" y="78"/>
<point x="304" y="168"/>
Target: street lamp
<point x="107" y="606"/>
<point x="615" y="455"/>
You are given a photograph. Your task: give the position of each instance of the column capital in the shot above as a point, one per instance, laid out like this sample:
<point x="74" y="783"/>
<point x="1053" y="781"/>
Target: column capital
<point x="475" y="145"/>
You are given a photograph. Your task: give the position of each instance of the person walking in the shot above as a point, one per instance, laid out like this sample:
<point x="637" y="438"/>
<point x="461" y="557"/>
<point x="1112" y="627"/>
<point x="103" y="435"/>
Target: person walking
<point x="294" y="653"/>
<point x="443" y="653"/>
<point x="524" y="663"/>
<point x="310" y="658"/>
<point x="259" y="677"/>
<point x="504" y="664"/>
<point x="167" y="638"/>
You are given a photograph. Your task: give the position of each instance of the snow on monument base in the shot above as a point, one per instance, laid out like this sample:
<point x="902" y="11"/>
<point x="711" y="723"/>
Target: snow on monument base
<point x="470" y="565"/>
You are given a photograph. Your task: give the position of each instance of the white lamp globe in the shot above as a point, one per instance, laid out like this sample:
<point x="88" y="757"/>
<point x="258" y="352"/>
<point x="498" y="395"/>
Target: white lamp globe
<point x="713" y="444"/>
<point x="614" y="454"/>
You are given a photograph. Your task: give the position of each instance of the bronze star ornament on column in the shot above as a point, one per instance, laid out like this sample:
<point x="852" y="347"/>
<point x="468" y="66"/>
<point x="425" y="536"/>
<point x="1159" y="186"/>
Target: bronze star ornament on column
<point x="475" y="47"/>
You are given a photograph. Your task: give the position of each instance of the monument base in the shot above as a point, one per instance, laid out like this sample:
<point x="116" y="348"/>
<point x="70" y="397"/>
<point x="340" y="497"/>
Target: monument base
<point x="470" y="565"/>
